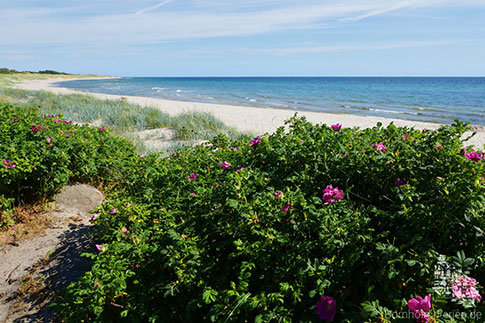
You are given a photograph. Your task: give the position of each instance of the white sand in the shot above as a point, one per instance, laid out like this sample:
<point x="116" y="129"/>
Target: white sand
<point x="251" y="119"/>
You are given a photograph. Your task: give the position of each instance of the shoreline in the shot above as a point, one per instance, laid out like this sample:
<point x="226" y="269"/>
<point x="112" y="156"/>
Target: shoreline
<point x="244" y="118"/>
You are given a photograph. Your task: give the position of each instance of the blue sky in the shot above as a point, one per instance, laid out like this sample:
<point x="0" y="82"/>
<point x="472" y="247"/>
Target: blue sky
<point x="245" y="37"/>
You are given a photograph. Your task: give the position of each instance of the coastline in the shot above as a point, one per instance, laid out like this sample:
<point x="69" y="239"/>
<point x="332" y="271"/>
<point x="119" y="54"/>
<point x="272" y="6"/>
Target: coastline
<point x="246" y="119"/>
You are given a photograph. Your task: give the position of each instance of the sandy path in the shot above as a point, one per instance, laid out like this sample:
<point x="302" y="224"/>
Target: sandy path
<point x="248" y="119"/>
<point x="63" y="242"/>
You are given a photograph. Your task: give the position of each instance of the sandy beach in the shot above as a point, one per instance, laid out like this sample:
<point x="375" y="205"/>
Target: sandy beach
<point x="248" y="119"/>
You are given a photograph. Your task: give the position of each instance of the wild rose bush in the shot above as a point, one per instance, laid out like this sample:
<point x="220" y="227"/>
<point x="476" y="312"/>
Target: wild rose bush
<point x="315" y="223"/>
<point x="39" y="154"/>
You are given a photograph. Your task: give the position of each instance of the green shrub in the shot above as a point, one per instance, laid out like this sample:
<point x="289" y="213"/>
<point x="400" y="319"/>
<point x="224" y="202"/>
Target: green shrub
<point x="39" y="154"/>
<point x="189" y="238"/>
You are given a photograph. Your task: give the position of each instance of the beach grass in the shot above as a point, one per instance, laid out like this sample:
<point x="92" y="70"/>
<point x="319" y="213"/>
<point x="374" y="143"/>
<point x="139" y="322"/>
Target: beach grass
<point x="123" y="117"/>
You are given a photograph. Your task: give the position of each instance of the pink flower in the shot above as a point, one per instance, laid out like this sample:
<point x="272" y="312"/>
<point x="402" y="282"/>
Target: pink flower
<point x="332" y="195"/>
<point x="239" y="170"/>
<point x="50" y="115"/>
<point x="302" y="141"/>
<point x="418" y="303"/>
<point x="192" y="177"/>
<point x="278" y="194"/>
<point x="255" y="141"/>
<point x="439" y="147"/>
<point x="94" y="217"/>
<point x="124" y="230"/>
<point x="68" y="122"/>
<point x="225" y="165"/>
<point x="42" y="116"/>
<point x="337" y="127"/>
<point x="475" y="156"/>
<point x="400" y="182"/>
<point x="57" y="120"/>
<point x="235" y="148"/>
<point x="193" y="193"/>
<point x="68" y="135"/>
<point x="34" y="129"/>
<point x="326" y="308"/>
<point x="15" y="118"/>
<point x="421" y="317"/>
<point x="9" y="164"/>
<point x="286" y="207"/>
<point x="40" y="127"/>
<point x="218" y="207"/>
<point x="405" y="136"/>
<point x="380" y="146"/>
<point x="113" y="211"/>
<point x="49" y="140"/>
<point x="100" y="247"/>
<point x="463" y="287"/>
<point x="101" y="129"/>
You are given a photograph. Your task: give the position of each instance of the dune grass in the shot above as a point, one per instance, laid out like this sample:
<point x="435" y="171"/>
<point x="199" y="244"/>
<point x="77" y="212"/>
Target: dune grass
<point x="123" y="117"/>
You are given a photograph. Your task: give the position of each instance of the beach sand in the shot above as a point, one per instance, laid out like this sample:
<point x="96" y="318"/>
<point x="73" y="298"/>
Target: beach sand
<point x="248" y="119"/>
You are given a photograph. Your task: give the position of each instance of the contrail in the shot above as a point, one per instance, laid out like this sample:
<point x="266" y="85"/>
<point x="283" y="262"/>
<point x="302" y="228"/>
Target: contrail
<point x="139" y="12"/>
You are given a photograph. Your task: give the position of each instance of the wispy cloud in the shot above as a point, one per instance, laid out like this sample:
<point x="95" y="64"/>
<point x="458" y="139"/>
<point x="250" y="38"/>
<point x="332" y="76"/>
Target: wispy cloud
<point x="155" y="7"/>
<point x="149" y="25"/>
<point x="279" y="51"/>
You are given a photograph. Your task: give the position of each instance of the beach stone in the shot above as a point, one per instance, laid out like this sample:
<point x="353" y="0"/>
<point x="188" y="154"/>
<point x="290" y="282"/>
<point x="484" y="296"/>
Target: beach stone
<point x="81" y="197"/>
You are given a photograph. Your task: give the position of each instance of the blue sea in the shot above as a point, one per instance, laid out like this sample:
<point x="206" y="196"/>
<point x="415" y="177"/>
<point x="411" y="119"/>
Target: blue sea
<point x="434" y="99"/>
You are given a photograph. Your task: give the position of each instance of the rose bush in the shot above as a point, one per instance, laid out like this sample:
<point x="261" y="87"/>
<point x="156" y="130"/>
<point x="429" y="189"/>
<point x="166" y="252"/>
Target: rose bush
<point x="214" y="233"/>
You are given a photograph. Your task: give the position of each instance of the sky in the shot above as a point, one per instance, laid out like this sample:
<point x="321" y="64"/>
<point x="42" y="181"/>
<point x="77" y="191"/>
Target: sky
<point x="245" y="37"/>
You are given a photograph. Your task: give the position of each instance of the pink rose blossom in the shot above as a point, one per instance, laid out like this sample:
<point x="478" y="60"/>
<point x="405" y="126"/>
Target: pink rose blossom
<point x="9" y="164"/>
<point x="463" y="287"/>
<point x="68" y="122"/>
<point x="235" y="148"/>
<point x="255" y="141"/>
<point x="418" y="303"/>
<point x="380" y="146"/>
<point x="101" y="129"/>
<point x="15" y="118"/>
<point x="100" y="247"/>
<point x="49" y="140"/>
<point x="475" y="156"/>
<point x="57" y="120"/>
<point x="439" y="147"/>
<point x="225" y="165"/>
<point x="94" y="217"/>
<point x="192" y="177"/>
<point x="405" y="136"/>
<point x="286" y="207"/>
<point x="400" y="182"/>
<point x="68" y="135"/>
<point x="332" y="195"/>
<point x="337" y="127"/>
<point x="34" y="129"/>
<point x="113" y="211"/>
<point x="326" y="308"/>
<point x="278" y="194"/>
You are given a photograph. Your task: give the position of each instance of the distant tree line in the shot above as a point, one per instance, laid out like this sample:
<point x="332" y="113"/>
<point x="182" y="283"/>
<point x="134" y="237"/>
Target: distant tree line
<point x="4" y="70"/>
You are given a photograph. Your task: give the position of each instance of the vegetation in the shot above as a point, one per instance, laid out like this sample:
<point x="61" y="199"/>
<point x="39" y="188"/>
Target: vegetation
<point x="318" y="222"/>
<point x="315" y="223"/>
<point x="4" y="70"/>
<point x="124" y="118"/>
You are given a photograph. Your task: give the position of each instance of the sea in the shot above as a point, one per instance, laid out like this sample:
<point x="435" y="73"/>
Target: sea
<point x="433" y="99"/>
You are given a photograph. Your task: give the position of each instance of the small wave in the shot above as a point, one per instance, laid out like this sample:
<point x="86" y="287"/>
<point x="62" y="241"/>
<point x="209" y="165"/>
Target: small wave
<point x="251" y="100"/>
<point x="159" y="88"/>
<point x="390" y="111"/>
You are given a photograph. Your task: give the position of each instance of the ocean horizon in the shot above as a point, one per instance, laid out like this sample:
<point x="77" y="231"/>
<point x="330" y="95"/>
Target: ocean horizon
<point x="431" y="99"/>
